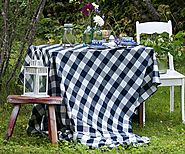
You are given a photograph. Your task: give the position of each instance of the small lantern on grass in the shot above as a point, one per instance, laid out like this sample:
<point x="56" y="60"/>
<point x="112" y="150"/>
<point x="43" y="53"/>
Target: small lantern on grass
<point x="36" y="77"/>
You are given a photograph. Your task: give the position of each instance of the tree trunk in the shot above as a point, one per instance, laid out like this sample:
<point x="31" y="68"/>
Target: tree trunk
<point x="5" y="44"/>
<point x="29" y="36"/>
<point x="144" y="6"/>
<point x="152" y="10"/>
<point x="11" y="35"/>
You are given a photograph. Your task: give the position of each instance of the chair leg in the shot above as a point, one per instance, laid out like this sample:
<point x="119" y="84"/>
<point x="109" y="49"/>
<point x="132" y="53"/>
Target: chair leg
<point x="172" y="99"/>
<point x="12" y="121"/>
<point x="144" y="113"/>
<point x="182" y="101"/>
<point x="52" y="128"/>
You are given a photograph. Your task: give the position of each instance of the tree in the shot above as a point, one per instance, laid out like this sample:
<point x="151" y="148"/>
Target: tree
<point x="18" y="22"/>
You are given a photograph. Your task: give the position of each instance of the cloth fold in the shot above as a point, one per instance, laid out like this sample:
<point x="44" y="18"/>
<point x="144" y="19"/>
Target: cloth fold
<point x="101" y="91"/>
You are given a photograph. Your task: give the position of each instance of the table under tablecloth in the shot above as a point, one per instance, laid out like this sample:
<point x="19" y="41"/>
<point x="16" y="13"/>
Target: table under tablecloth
<point x="101" y="90"/>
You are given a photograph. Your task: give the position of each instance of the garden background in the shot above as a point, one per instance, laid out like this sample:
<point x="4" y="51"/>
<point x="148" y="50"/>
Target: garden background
<point x="26" y="22"/>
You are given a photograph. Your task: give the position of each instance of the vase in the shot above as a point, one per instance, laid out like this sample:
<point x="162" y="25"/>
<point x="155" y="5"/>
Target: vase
<point x="162" y="62"/>
<point x="68" y="39"/>
<point x="97" y="33"/>
<point x="88" y="35"/>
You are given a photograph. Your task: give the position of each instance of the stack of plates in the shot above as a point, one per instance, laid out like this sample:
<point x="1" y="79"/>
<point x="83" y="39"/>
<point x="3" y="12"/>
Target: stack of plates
<point x="97" y="44"/>
<point x="92" y="46"/>
<point x="128" y="41"/>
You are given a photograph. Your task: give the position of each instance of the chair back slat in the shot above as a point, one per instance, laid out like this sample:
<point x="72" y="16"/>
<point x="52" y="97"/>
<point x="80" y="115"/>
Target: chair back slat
<point x="153" y="27"/>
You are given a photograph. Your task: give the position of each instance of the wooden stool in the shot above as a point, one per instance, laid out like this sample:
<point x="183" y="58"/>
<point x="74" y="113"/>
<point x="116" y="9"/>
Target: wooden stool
<point x="18" y="100"/>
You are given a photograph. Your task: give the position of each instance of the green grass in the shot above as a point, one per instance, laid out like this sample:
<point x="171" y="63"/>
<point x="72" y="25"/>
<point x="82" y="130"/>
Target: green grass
<point x="165" y="130"/>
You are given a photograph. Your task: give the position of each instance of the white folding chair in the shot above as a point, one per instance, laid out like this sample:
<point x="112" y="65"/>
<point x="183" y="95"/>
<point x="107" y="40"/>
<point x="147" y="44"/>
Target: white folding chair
<point x="172" y="77"/>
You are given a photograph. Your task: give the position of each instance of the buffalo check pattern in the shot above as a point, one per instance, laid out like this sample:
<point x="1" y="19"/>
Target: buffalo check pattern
<point x="101" y="90"/>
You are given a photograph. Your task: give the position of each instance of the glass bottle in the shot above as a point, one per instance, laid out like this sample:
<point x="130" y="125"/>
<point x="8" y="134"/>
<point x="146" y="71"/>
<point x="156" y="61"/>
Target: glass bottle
<point x="87" y="35"/>
<point x="68" y="39"/>
<point x="97" y="34"/>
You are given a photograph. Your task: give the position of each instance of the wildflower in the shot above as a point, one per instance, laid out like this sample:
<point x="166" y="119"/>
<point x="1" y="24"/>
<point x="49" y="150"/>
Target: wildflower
<point x="87" y="9"/>
<point x="98" y="20"/>
<point x="96" y="7"/>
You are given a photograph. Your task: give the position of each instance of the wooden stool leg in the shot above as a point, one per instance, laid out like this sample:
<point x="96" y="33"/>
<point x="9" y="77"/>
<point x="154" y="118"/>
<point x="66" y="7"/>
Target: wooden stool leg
<point x="12" y="121"/>
<point x="52" y="128"/>
<point x="140" y="112"/>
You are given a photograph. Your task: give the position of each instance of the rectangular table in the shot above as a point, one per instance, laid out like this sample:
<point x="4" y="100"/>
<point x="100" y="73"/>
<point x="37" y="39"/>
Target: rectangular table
<point x="101" y="90"/>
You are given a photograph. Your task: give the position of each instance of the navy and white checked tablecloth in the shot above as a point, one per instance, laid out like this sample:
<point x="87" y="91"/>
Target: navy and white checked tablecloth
<point x="101" y="90"/>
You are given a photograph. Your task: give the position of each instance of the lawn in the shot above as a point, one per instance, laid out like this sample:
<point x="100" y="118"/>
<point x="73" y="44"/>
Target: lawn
<point x="165" y="129"/>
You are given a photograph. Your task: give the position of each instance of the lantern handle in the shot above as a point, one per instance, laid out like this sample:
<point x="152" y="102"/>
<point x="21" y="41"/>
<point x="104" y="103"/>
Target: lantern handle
<point x="37" y="54"/>
<point x="36" y="58"/>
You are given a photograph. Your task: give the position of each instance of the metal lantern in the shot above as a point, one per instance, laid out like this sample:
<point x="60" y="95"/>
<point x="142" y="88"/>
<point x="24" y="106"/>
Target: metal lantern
<point x="36" y="77"/>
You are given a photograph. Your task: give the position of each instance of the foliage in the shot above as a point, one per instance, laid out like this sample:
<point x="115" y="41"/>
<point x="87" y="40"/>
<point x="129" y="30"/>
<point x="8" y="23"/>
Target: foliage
<point x="121" y="20"/>
<point x="162" y="44"/>
<point x="178" y="47"/>
<point x="168" y="10"/>
<point x="50" y="30"/>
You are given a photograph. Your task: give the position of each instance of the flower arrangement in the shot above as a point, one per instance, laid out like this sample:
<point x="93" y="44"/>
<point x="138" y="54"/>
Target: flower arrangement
<point x="95" y="21"/>
<point x="91" y="10"/>
<point x="163" y="45"/>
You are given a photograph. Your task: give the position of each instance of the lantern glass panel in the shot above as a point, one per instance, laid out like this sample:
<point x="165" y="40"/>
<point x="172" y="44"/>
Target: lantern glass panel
<point x="29" y="83"/>
<point x="36" y="81"/>
<point x="42" y="84"/>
